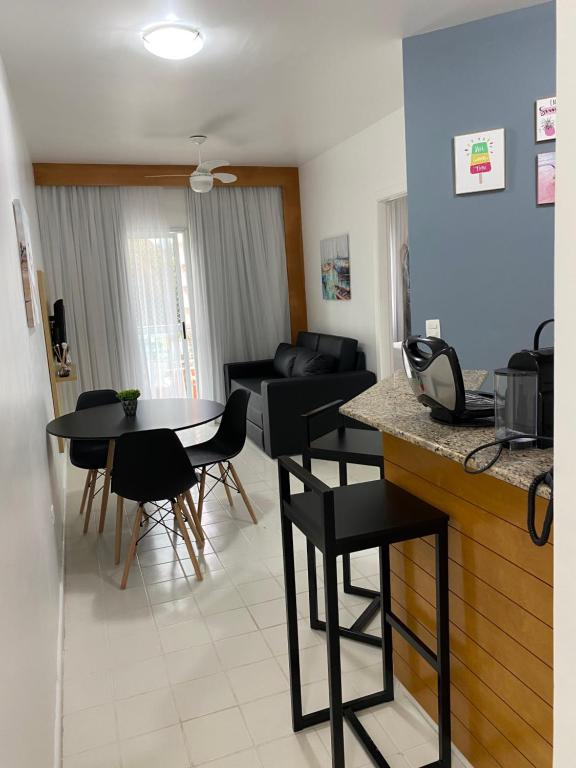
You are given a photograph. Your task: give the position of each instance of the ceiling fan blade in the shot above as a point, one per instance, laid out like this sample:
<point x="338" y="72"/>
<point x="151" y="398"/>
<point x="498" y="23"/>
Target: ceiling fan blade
<point x="168" y="176"/>
<point x="225" y="178"/>
<point x="209" y="165"/>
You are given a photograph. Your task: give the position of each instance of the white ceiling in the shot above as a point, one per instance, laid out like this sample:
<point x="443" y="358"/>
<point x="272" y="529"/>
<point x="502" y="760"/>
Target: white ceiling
<point x="278" y="81"/>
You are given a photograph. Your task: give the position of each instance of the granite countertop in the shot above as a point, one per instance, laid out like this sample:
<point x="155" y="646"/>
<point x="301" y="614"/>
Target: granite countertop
<point x="391" y="407"/>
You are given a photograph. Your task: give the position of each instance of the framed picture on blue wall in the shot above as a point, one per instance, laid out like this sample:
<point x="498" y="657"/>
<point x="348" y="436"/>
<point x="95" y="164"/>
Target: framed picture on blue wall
<point x="480" y="162"/>
<point x="546" y="119"/>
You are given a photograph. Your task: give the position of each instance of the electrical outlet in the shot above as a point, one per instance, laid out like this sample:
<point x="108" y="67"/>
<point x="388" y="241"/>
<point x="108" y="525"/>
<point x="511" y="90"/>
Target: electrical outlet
<point x="433" y="328"/>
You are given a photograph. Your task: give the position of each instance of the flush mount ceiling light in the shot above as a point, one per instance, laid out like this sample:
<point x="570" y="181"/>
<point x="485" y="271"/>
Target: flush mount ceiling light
<point x="172" y="41"/>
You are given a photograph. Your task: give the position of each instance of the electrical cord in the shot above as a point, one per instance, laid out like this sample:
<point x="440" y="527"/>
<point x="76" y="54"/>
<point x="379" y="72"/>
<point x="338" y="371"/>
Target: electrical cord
<point x="545" y="478"/>
<point x="501" y="443"/>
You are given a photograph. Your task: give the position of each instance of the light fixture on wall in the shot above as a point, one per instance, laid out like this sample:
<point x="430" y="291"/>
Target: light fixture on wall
<point x="172" y="40"/>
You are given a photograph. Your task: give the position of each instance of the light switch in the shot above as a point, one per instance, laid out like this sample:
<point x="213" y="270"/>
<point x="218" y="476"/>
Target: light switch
<point x="433" y="328"/>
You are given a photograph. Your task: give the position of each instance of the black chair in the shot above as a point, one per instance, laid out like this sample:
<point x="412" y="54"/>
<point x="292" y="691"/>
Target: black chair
<point x="350" y="519"/>
<point x="152" y="467"/>
<point x="221" y="449"/>
<point x="333" y="437"/>
<point x="93" y="456"/>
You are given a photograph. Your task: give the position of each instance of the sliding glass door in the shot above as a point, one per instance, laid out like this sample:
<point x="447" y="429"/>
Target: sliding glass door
<point x="160" y="300"/>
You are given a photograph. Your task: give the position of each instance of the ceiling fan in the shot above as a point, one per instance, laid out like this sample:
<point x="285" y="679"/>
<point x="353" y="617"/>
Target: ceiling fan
<point x="202" y="179"/>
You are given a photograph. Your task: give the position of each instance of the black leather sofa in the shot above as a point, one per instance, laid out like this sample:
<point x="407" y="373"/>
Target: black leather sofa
<point x="278" y="398"/>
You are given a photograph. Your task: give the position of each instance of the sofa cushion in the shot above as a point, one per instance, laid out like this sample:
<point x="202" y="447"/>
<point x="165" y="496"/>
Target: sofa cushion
<point x="284" y="359"/>
<point x="309" y="363"/>
<point x="343" y="349"/>
<point x="308" y="340"/>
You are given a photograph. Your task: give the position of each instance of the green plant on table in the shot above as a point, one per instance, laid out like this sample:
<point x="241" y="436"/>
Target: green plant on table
<point x="128" y="394"/>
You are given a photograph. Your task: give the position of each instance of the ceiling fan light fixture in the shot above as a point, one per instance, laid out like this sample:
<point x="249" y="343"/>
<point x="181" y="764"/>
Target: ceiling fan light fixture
<point x="172" y="41"/>
<point x="201" y="182"/>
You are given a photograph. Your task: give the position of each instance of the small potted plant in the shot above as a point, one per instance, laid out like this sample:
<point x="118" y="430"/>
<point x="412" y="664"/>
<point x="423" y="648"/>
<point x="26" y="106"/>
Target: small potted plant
<point x="129" y="400"/>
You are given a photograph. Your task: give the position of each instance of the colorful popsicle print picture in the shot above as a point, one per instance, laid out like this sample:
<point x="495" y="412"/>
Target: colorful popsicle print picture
<point x="480" y="159"/>
<point x="479" y="162"/>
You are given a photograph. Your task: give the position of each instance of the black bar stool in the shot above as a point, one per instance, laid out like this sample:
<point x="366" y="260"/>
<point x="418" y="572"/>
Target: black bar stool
<point x="350" y="519"/>
<point x="333" y="437"/>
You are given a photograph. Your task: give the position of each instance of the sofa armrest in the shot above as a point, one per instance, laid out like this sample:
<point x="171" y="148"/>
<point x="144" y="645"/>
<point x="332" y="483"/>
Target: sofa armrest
<point x="251" y="369"/>
<point x="286" y="400"/>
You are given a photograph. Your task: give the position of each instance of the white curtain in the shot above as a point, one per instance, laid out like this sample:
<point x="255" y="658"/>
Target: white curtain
<point x="84" y="248"/>
<point x="397" y="218"/>
<point x="110" y="255"/>
<point x="239" y="279"/>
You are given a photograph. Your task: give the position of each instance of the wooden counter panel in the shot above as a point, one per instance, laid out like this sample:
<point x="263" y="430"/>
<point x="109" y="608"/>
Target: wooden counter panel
<point x="500" y="610"/>
<point x="495" y="496"/>
<point x="410" y="561"/>
<point x="494" y="533"/>
<point x="466" y="640"/>
<point x="483" y="719"/>
<point x="529" y="706"/>
<point x="527" y="591"/>
<point x="524" y="718"/>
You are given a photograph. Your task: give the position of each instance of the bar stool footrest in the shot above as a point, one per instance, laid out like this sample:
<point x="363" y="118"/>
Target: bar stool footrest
<point x="413" y="640"/>
<point x="368" y="613"/>
<point x="354" y="705"/>
<point x="349" y="633"/>
<point x="365" y="739"/>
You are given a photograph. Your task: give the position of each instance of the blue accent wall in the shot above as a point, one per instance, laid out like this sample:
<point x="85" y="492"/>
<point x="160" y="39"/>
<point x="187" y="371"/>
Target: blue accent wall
<point x="483" y="263"/>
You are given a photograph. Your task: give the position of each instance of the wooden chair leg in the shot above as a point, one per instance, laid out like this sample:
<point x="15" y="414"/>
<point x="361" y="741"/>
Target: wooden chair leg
<point x="187" y="516"/>
<point x="86" y="489"/>
<point x="179" y="519"/>
<point x="201" y="493"/>
<point x="242" y="492"/>
<point x="119" y="519"/>
<point x="223" y="476"/>
<point x="94" y="476"/>
<point x="132" y="548"/>
<point x="196" y="520"/>
<point x="106" y="488"/>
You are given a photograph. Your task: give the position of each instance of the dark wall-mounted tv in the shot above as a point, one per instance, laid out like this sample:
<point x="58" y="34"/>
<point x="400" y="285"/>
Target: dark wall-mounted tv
<point x="58" y="323"/>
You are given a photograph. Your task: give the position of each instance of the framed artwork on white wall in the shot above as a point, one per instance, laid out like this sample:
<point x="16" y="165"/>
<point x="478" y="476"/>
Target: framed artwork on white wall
<point x="335" y="268"/>
<point x="26" y="264"/>
<point x="480" y="162"/>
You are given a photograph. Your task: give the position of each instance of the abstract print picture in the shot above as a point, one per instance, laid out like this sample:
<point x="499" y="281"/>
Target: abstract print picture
<point x="546" y="178"/>
<point x="479" y="162"/>
<point x="335" y="268"/>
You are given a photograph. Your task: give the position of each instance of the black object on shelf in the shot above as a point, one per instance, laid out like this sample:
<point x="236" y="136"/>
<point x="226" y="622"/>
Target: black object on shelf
<point x="58" y="323"/>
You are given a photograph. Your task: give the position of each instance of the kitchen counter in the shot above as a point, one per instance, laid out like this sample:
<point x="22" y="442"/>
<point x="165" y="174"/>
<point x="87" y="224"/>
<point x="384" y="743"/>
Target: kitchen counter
<point x="391" y="407"/>
<point x="501" y="586"/>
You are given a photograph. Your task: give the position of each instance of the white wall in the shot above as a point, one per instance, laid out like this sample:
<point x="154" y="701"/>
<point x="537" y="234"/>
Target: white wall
<point x="30" y="481"/>
<point x="565" y="411"/>
<point x="340" y="190"/>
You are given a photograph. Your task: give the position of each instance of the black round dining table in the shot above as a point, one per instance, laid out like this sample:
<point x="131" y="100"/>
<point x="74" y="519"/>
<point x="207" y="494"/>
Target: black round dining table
<point x="109" y="422"/>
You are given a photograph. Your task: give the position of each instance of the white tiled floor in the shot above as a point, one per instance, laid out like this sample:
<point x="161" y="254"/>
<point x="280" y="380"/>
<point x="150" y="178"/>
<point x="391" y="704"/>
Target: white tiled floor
<point x="176" y="673"/>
